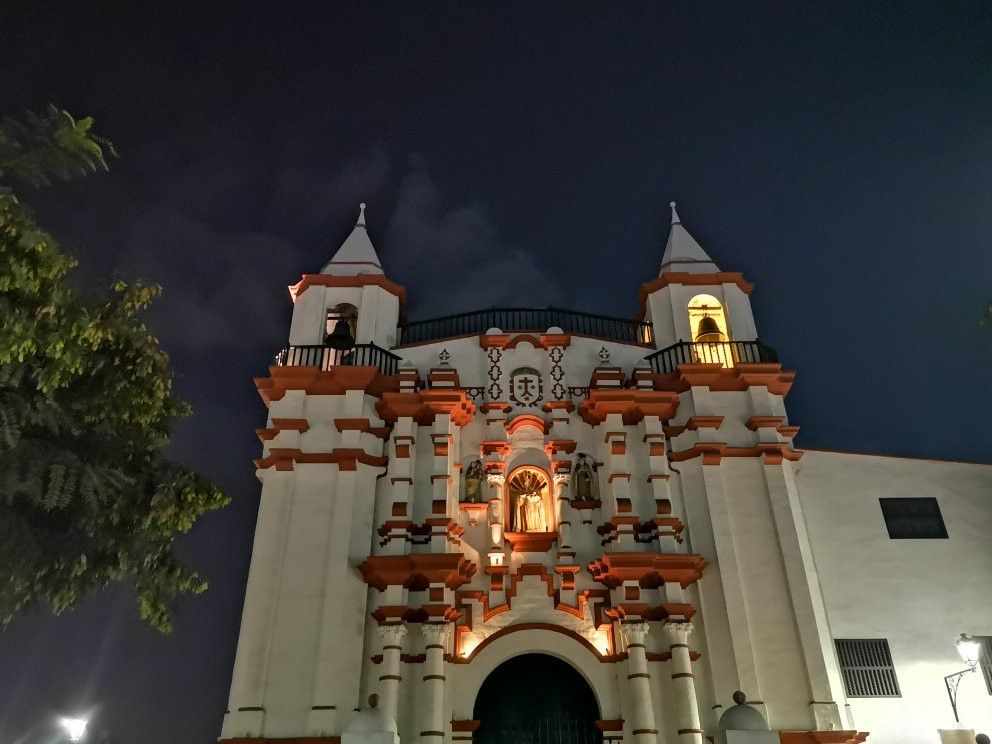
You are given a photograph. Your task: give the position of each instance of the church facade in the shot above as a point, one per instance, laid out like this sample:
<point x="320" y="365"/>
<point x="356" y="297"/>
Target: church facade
<point x="510" y="519"/>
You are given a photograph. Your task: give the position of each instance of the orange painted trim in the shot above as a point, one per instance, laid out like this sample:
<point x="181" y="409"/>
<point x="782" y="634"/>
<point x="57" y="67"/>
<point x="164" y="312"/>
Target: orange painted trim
<point x="556" y="446"/>
<point x="559" y="405"/>
<point x="495" y="406"/>
<point x="649" y="570"/>
<point x="465" y="725"/>
<point x="362" y="280"/>
<point x="759" y="422"/>
<point x="789" y="432"/>
<point x="554" y="339"/>
<point x="424" y="406"/>
<point x="822" y="737"/>
<point x="526" y="419"/>
<point x="531" y="626"/>
<point x="531" y="542"/>
<point x="713" y="452"/>
<point x="496" y="341"/>
<point x="314" y="381"/>
<point x="417" y="570"/>
<point x="704" y="422"/>
<point x="689" y="280"/>
<point x="363" y="425"/>
<point x="632" y="405"/>
<point x="494" y="447"/>
<point x="612" y="725"/>
<point x="523" y="338"/>
<point x="293" y="740"/>
<point x="345" y="458"/>
<point x="296" y="424"/>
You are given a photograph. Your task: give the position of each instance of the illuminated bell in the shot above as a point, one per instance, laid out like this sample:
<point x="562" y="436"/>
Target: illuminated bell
<point x="341" y="338"/>
<point x="708" y="332"/>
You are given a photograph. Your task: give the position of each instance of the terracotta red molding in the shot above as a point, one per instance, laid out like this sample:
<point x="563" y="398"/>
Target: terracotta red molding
<point x="649" y="570"/>
<point x="704" y="422"/>
<point x="335" y="381"/>
<point x="759" y="422"/>
<point x="713" y="452"/>
<point x="498" y="341"/>
<point x="632" y="405"/>
<point x="285" y="458"/>
<point x="526" y="419"/>
<point x="425" y="405"/>
<point x="555" y="339"/>
<point x="822" y="737"/>
<point x="417" y="570"/>
<point x="363" y="425"/>
<point x="362" y="280"/>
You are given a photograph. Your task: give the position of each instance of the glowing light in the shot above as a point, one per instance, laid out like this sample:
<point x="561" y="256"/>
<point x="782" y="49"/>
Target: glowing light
<point x="970" y="650"/>
<point x="75" y="727"/>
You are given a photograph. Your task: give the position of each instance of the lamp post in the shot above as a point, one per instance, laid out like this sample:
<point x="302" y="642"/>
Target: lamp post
<point x="969" y="649"/>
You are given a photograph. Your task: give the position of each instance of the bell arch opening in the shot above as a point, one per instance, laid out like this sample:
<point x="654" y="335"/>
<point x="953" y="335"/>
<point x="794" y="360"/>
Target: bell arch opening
<point x="536" y="699"/>
<point x="708" y="325"/>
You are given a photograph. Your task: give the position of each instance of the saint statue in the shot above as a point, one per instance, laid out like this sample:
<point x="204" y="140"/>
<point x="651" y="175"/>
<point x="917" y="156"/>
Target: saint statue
<point x="529" y="514"/>
<point x="582" y="490"/>
<point x="473" y="482"/>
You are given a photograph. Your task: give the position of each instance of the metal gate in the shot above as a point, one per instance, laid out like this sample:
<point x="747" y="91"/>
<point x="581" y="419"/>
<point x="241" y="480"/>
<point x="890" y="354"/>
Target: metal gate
<point x="536" y="699"/>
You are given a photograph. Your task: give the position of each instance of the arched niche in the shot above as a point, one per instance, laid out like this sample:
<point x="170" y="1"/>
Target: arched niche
<point x="528" y="500"/>
<point x="710" y="331"/>
<point x="343" y="311"/>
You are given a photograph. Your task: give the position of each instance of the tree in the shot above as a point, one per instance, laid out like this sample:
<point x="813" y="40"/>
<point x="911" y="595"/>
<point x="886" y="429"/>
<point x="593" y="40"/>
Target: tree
<point x="87" y="496"/>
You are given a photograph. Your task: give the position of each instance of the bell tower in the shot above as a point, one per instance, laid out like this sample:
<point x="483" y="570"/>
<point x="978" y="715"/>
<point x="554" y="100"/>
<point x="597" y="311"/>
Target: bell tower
<point x="299" y="659"/>
<point x="731" y="443"/>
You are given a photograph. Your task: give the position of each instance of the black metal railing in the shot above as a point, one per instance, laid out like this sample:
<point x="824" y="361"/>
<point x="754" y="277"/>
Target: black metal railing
<point x="325" y="357"/>
<point x="534" y="319"/>
<point x="727" y="353"/>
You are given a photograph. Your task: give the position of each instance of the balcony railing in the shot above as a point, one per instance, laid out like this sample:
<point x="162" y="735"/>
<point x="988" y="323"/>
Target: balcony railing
<point x="324" y="357"/>
<point x="727" y="353"/>
<point x="536" y="320"/>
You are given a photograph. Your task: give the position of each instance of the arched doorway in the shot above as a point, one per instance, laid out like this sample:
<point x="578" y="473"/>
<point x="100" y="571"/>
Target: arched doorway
<point x="536" y="699"/>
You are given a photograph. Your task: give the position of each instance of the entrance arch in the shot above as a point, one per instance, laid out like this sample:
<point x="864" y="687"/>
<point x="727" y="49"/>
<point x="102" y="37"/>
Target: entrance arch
<point x="536" y="699"/>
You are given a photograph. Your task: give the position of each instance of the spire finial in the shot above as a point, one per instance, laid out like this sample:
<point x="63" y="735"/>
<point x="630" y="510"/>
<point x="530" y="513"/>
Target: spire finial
<point x="675" y="215"/>
<point x="361" y="215"/>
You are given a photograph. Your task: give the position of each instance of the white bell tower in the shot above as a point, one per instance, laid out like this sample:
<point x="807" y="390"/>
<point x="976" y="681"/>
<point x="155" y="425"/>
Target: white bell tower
<point x="731" y="442"/>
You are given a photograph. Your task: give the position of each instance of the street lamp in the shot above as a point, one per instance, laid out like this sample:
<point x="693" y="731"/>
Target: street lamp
<point x="970" y="649"/>
<point x="74" y="727"/>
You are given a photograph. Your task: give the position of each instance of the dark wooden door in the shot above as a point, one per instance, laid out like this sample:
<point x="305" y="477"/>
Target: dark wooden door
<point x="536" y="699"/>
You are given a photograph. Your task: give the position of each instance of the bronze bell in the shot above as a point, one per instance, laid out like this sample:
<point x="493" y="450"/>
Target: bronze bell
<point x="709" y="331"/>
<point x="341" y="337"/>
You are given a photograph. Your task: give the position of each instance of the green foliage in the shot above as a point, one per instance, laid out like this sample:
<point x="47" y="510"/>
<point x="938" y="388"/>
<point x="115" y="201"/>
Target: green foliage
<point x="87" y="496"/>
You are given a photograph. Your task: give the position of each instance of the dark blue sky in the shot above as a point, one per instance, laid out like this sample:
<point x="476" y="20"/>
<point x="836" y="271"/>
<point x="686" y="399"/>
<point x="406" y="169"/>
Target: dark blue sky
<point x="839" y="155"/>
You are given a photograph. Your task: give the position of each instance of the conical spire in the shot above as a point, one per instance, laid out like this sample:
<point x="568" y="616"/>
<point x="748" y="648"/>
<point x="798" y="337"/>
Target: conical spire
<point x="356" y="254"/>
<point x="683" y="253"/>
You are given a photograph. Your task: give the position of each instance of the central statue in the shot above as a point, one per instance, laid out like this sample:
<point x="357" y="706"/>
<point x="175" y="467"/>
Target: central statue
<point x="528" y="504"/>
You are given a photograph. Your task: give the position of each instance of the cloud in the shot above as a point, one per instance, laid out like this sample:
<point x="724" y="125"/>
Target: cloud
<point x="452" y="260"/>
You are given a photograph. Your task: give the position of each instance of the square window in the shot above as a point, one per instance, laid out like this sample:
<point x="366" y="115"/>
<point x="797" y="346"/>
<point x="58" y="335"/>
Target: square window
<point x="913" y="519"/>
<point x="866" y="666"/>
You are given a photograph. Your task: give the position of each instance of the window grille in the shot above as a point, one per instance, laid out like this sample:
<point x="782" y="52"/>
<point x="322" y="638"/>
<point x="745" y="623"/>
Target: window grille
<point x="866" y="666"/>
<point x="913" y="518"/>
<point x="985" y="660"/>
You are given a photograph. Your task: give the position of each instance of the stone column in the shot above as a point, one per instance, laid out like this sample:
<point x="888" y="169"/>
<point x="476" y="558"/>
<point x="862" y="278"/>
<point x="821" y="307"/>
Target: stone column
<point x="563" y="518"/>
<point x="434" y="679"/>
<point x="639" y="681"/>
<point x="496" y="518"/>
<point x="689" y="729"/>
<point x="393" y="636"/>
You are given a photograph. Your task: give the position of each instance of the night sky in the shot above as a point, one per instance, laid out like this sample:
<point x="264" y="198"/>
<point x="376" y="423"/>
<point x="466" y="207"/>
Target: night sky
<point x="839" y="155"/>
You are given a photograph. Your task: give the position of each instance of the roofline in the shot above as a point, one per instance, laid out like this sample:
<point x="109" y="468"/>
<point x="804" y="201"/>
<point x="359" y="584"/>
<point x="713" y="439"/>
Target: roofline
<point x="897" y="457"/>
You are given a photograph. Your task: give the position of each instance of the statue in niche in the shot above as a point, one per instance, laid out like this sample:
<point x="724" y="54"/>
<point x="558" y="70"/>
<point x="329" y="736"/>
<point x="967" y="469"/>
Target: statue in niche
<point x="527" y="491"/>
<point x="474" y="477"/>
<point x="582" y="481"/>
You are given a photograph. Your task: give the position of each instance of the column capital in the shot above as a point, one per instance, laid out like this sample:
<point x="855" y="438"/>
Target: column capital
<point x="635" y="633"/>
<point x="496" y="479"/>
<point x="435" y="633"/>
<point x="561" y="479"/>
<point x="393" y="633"/>
<point x="678" y="632"/>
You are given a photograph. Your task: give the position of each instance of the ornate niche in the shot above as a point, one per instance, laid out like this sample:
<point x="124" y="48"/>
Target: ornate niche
<point x="529" y="512"/>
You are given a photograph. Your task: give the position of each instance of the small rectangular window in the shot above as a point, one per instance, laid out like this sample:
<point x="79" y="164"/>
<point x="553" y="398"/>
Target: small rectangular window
<point x="913" y="519"/>
<point x="866" y="666"/>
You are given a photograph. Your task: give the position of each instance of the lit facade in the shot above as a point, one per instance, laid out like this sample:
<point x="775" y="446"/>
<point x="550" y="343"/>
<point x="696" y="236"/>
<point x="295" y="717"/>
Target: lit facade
<point x="443" y="497"/>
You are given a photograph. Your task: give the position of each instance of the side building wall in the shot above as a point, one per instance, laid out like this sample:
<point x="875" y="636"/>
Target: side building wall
<point x="918" y="594"/>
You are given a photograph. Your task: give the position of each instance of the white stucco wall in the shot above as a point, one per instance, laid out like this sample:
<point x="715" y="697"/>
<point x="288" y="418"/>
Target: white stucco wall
<point x="918" y="594"/>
